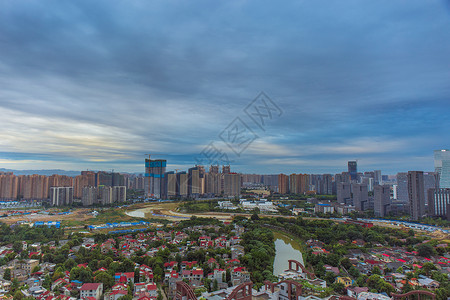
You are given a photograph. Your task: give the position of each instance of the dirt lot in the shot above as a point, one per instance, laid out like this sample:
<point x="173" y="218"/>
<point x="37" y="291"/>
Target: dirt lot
<point x="75" y="215"/>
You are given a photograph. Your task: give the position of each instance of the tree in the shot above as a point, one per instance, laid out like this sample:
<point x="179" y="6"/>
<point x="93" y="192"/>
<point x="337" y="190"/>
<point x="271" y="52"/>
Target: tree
<point x="69" y="264"/>
<point x="338" y="287"/>
<point x="428" y="267"/>
<point x="376" y="270"/>
<point x="17" y="247"/>
<point x="105" y="278"/>
<point x="126" y="297"/>
<point x="254" y="217"/>
<point x="18" y="295"/>
<point x="425" y="250"/>
<point x="7" y="274"/>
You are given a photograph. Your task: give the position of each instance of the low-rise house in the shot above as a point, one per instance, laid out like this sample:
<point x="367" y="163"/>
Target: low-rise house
<point x="115" y="295"/>
<point x="346" y="281"/>
<point x="240" y="275"/>
<point x="354" y="291"/>
<point x="94" y="290"/>
<point x="124" y="277"/>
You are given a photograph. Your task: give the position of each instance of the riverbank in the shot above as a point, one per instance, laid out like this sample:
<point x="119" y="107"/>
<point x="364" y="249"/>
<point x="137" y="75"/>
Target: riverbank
<point x="286" y="248"/>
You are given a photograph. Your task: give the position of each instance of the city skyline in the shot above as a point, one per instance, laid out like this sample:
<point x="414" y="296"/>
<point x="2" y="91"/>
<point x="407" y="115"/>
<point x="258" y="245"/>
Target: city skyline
<point x="97" y="85"/>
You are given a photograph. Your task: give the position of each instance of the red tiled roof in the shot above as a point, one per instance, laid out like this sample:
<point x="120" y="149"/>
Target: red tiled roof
<point x="89" y="286"/>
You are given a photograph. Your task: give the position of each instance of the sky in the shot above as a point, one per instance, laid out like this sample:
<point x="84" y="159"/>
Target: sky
<point x="98" y="84"/>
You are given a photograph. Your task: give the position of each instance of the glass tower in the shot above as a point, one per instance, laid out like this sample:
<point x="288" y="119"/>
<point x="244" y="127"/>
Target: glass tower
<point x="442" y="167"/>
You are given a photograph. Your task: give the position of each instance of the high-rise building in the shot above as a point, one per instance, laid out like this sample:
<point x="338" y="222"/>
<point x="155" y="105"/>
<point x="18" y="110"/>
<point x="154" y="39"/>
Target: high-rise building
<point x="212" y="183"/>
<point x="33" y="187"/>
<point x="9" y="187"/>
<point x="154" y="173"/>
<point x="232" y="184"/>
<point x="194" y="186"/>
<point x="344" y="193"/>
<point x="416" y="194"/>
<point x="119" y="194"/>
<point x="353" y="170"/>
<point x="87" y="178"/>
<point x="182" y="184"/>
<point x="381" y="199"/>
<point x="360" y="196"/>
<point x="105" y="195"/>
<point x="283" y="184"/>
<point x="429" y="182"/>
<point x="60" y="196"/>
<point x="294" y="184"/>
<point x="170" y="185"/>
<point x="378" y="179"/>
<point x="214" y="169"/>
<point x="442" y="167"/>
<point x="402" y="187"/>
<point x="226" y="169"/>
<point x="439" y="203"/>
<point x="90" y="195"/>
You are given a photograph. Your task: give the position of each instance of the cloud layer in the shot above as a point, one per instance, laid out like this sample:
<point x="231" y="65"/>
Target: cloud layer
<point x="97" y="84"/>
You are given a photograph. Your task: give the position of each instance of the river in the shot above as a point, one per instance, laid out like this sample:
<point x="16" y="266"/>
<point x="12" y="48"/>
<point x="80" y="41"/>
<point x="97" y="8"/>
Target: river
<point x="285" y="249"/>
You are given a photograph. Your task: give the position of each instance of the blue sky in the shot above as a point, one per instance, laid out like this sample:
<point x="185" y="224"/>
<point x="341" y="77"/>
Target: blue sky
<point x="97" y="84"/>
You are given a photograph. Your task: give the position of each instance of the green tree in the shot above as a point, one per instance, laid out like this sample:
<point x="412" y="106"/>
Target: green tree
<point x="17" y="247"/>
<point x="18" y="295"/>
<point x="254" y="217"/>
<point x="7" y="274"/>
<point x="338" y="287"/>
<point x="428" y="267"/>
<point x="105" y="278"/>
<point x="425" y="250"/>
<point x="376" y="270"/>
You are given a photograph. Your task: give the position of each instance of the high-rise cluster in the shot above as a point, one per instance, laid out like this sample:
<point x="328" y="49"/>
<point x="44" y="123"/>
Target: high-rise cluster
<point x="193" y="183"/>
<point x="61" y="190"/>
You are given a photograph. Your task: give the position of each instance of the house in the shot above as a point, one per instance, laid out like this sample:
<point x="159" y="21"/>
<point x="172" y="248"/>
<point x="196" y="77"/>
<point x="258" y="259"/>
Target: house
<point x="149" y="289"/>
<point x="94" y="290"/>
<point x="346" y="281"/>
<point x="27" y="265"/>
<point x="115" y="295"/>
<point x="240" y="275"/>
<point x="428" y="283"/>
<point x="332" y="269"/>
<point x="124" y="277"/>
<point x="355" y="291"/>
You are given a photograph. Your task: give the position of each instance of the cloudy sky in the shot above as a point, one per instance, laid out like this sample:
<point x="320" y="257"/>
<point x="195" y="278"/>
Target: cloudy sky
<point x="98" y="84"/>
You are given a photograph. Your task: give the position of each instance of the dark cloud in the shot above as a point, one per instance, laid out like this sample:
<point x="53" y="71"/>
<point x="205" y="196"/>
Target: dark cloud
<point x="135" y="77"/>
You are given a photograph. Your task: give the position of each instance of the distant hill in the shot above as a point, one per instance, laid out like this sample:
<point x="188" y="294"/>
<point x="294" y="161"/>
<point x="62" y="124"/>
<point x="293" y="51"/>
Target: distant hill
<point x="42" y="172"/>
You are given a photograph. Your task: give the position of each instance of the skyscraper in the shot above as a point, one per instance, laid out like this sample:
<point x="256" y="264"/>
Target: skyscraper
<point x="416" y="194"/>
<point x="377" y="177"/>
<point x="194" y="187"/>
<point x="283" y="184"/>
<point x="442" y="167"/>
<point x="439" y="202"/>
<point x="402" y="187"/>
<point x="154" y="173"/>
<point x="353" y="170"/>
<point x="232" y="184"/>
<point x="61" y="196"/>
<point x="344" y="192"/>
<point x="360" y="196"/>
<point x="381" y="199"/>
<point x="182" y="184"/>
